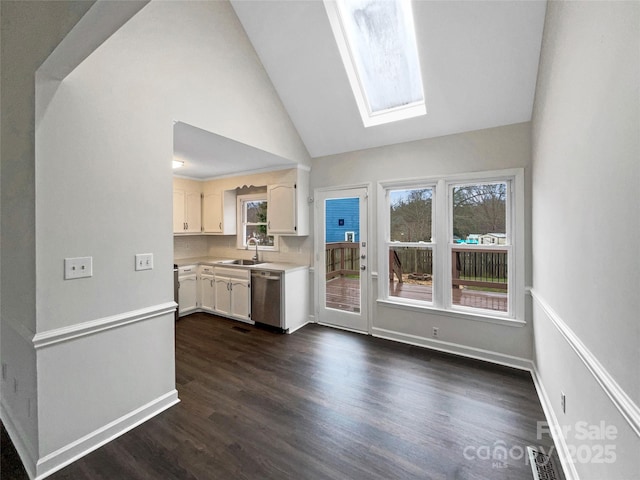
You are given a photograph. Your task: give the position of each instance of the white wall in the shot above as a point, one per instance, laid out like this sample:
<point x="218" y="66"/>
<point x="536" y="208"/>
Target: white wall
<point x="172" y="61"/>
<point x="101" y="187"/>
<point x="29" y="33"/>
<point x="586" y="222"/>
<point x="491" y="149"/>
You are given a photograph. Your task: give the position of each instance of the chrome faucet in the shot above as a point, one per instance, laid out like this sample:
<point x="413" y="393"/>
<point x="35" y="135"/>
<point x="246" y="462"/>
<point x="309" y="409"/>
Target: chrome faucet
<point x="255" y="241"/>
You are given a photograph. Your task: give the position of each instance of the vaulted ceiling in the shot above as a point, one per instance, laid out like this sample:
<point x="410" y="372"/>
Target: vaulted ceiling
<point x="479" y="62"/>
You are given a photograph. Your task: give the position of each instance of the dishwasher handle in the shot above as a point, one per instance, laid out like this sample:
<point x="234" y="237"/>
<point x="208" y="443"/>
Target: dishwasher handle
<point x="266" y="275"/>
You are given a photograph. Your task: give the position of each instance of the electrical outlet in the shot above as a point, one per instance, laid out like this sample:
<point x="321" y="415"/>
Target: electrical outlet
<point x="78" y="267"/>
<point x="435" y="332"/>
<point x="563" y="402"/>
<point x="144" y="261"/>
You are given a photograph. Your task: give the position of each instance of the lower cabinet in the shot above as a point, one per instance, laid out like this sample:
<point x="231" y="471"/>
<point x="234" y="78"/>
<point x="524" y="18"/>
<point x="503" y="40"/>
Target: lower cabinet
<point x="226" y="291"/>
<point x="207" y="292"/>
<point x="223" y="295"/>
<point x="232" y="292"/>
<point x="187" y="290"/>
<point x="240" y="299"/>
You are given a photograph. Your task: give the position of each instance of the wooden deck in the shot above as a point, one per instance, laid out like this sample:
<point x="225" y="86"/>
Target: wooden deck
<point x="343" y="293"/>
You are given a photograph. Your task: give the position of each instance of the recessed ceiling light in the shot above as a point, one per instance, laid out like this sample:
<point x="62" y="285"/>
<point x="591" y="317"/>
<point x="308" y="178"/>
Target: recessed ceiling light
<point x="177" y="164"/>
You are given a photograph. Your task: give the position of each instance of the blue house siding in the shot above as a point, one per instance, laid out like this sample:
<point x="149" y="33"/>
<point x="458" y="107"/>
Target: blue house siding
<point x="345" y="211"/>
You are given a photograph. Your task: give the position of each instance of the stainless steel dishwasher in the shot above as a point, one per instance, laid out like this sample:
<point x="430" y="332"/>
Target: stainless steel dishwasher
<point x="266" y="297"/>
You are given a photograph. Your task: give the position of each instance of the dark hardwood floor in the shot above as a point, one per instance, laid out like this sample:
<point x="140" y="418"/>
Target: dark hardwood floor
<point x="324" y="404"/>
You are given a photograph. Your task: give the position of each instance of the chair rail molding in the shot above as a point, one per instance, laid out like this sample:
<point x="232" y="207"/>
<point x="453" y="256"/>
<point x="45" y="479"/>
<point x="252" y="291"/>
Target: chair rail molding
<point x="625" y="405"/>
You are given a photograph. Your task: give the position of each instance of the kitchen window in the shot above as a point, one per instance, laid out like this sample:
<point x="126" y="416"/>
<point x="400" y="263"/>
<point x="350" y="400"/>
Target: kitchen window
<point x="454" y="244"/>
<point x="252" y="221"/>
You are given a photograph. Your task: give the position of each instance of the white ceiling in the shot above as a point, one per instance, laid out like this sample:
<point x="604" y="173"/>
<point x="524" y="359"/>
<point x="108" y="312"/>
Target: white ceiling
<point x="207" y="155"/>
<point x="479" y="68"/>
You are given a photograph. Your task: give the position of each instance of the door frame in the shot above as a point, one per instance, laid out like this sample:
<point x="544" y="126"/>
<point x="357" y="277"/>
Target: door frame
<point x="319" y="275"/>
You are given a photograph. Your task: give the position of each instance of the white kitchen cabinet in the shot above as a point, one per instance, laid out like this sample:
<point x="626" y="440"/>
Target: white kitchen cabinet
<point x="187" y="208"/>
<point x="219" y="212"/>
<point x="288" y="212"/>
<point x="207" y="298"/>
<point x="295" y="299"/>
<point x="187" y="290"/>
<point x="232" y="293"/>
<point x="240" y="299"/>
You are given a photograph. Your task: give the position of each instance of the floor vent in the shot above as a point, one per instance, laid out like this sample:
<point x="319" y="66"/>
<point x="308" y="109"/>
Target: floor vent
<point x="541" y="465"/>
<point x="240" y="329"/>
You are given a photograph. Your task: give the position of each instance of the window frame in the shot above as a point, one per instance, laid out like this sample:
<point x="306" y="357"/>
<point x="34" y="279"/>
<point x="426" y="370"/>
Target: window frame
<point x="442" y="244"/>
<point x="241" y="241"/>
<point x="507" y="247"/>
<point x="388" y="244"/>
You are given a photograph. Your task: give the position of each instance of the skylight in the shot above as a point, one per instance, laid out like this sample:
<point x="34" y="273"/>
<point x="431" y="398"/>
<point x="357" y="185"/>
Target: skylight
<point x="377" y="42"/>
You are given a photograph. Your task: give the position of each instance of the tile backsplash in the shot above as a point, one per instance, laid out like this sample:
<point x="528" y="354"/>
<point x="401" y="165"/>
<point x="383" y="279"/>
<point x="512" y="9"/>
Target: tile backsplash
<point x="190" y="246"/>
<point x="291" y="249"/>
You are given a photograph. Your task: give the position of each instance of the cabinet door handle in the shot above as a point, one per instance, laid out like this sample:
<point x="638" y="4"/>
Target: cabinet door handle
<point x="220" y="225"/>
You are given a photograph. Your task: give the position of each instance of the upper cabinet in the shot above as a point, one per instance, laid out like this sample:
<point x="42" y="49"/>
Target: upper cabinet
<point x="187" y="206"/>
<point x="288" y="212"/>
<point x="211" y="207"/>
<point x="219" y="211"/>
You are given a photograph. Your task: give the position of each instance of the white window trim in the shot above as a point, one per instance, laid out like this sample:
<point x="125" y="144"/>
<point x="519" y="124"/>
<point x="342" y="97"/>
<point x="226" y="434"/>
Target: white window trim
<point x="442" y="212"/>
<point x="385" y="240"/>
<point x="240" y="241"/>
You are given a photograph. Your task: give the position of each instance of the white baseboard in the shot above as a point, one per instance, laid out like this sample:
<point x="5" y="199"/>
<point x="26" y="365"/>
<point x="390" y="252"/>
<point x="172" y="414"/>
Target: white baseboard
<point x="454" y="348"/>
<point x="25" y="450"/>
<point x="562" y="448"/>
<point x="69" y="453"/>
<point x="295" y="329"/>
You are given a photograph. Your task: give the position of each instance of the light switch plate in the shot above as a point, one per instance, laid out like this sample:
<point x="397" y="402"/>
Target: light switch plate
<point x="144" y="261"/>
<point x="78" y="267"/>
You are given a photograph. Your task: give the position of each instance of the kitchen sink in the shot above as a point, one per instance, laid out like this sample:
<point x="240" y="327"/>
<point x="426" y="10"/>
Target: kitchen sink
<point x="243" y="261"/>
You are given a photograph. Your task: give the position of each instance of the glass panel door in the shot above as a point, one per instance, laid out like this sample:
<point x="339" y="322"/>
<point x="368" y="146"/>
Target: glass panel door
<point x="342" y="255"/>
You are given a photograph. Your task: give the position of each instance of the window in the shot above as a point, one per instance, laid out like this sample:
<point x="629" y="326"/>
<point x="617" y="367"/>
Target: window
<point x="479" y="267"/>
<point x="377" y="42"/>
<point x="409" y="245"/>
<point x="253" y="221"/>
<point x="450" y="244"/>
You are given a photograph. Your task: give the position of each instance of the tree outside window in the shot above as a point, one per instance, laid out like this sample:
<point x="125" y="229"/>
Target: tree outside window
<point x="254" y="221"/>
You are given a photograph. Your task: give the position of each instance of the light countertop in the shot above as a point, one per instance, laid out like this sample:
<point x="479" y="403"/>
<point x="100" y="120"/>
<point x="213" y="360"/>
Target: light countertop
<point x="213" y="261"/>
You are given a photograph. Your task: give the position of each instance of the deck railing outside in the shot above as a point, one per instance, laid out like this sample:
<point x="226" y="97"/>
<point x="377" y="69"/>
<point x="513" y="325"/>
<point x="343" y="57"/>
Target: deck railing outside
<point x="485" y="268"/>
<point x="478" y="275"/>
<point x="469" y="267"/>
<point x="342" y="259"/>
